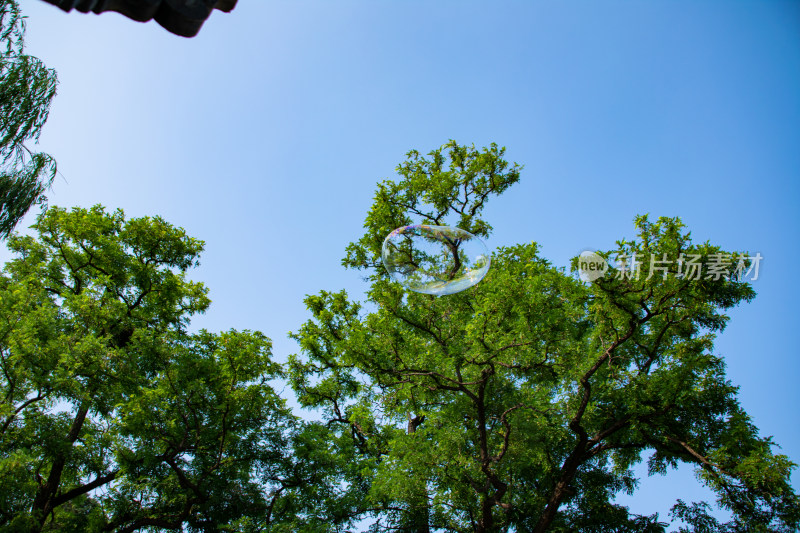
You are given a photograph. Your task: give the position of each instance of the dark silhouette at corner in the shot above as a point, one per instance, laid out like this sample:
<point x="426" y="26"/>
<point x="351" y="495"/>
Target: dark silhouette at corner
<point x="181" y="17"/>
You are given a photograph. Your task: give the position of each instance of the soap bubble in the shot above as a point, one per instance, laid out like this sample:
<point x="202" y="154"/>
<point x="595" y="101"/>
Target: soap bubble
<point x="435" y="260"/>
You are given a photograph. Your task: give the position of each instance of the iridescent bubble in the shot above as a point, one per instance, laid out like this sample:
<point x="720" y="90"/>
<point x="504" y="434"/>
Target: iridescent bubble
<point x="435" y="260"/>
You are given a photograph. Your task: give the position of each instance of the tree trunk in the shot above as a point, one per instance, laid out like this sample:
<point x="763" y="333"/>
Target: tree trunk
<point x="43" y="502"/>
<point x="419" y="514"/>
<point x="561" y="489"/>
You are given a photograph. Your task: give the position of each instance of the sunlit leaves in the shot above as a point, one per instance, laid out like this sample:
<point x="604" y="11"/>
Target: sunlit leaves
<point x="111" y="415"/>
<point x="524" y="402"/>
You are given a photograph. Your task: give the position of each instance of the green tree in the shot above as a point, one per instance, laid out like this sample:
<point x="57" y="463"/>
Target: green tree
<point x="26" y="90"/>
<point x="523" y="403"/>
<point x="114" y="418"/>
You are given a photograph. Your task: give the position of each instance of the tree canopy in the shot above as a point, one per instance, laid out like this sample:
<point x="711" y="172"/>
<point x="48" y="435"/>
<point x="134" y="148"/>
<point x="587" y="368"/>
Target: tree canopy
<point x="523" y="403"/>
<point x="112" y="416"/>
<point x="26" y="89"/>
<point x="520" y="404"/>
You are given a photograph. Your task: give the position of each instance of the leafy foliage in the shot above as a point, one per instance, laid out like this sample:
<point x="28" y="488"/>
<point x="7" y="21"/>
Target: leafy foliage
<point x="26" y="90"/>
<point x="112" y="416"/>
<point x="523" y="403"/>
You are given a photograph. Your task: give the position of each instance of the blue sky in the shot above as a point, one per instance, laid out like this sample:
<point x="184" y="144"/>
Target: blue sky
<point x="266" y="134"/>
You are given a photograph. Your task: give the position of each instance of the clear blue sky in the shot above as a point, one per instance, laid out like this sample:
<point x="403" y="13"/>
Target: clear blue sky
<point x="265" y="136"/>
